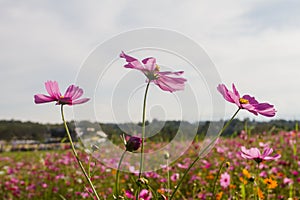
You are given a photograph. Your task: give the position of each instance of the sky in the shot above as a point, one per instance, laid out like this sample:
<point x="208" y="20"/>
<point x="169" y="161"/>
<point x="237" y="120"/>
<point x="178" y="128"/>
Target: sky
<point x="254" y="44"/>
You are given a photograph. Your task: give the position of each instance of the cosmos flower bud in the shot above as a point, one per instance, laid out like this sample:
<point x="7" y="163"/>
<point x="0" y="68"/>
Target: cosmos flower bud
<point x="133" y="144"/>
<point x="166" y="155"/>
<point x="251" y="179"/>
<point x="142" y="181"/>
<point x="227" y="164"/>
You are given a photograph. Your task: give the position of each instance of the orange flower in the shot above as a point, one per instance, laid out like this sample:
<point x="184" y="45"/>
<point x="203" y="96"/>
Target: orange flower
<point x="246" y="173"/>
<point x="210" y="177"/>
<point x="232" y="186"/>
<point x="113" y="172"/>
<point x="260" y="194"/>
<point x="271" y="184"/>
<point x="243" y="180"/>
<point x="161" y="191"/>
<point x="280" y="174"/>
<point x="219" y="196"/>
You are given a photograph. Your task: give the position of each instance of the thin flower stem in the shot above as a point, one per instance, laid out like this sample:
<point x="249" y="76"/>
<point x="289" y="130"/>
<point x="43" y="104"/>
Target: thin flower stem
<point x="137" y="193"/>
<point x="296" y="138"/>
<point x="204" y="150"/>
<point x="257" y="182"/>
<point x="89" y="167"/>
<point x="143" y="135"/>
<point x="168" y="174"/>
<point x="216" y="178"/>
<point x="143" y="130"/>
<point x="76" y="155"/>
<point x="184" y="175"/>
<point x="117" y="186"/>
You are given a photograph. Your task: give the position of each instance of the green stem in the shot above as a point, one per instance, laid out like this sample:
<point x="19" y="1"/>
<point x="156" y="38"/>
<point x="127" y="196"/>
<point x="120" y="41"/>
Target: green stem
<point x="296" y="138"/>
<point x="89" y="167"/>
<point x="168" y="174"/>
<point x="143" y="135"/>
<point x="143" y="129"/>
<point x="117" y="186"/>
<point x="76" y="155"/>
<point x="137" y="193"/>
<point x="204" y="150"/>
<point x="257" y="181"/>
<point x="216" y="178"/>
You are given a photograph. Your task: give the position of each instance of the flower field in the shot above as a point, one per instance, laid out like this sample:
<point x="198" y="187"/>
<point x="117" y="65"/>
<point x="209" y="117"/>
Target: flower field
<point x="222" y="174"/>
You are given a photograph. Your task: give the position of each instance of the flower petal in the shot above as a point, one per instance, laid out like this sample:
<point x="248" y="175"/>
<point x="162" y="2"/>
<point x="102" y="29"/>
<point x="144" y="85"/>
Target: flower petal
<point x="251" y="100"/>
<point x="149" y="63"/>
<point x="276" y="156"/>
<point x="73" y="92"/>
<point x="69" y="92"/>
<point x="235" y="95"/>
<point x="53" y="89"/>
<point x="80" y="101"/>
<point x="170" y="84"/>
<point x="265" y="109"/>
<point x="179" y="73"/>
<point x="250" y="153"/>
<point x="251" y="105"/>
<point x="250" y="108"/>
<point x="41" y="98"/>
<point x="77" y="93"/>
<point x="225" y="92"/>
<point x="132" y="62"/>
<point x="267" y="151"/>
<point x="235" y="92"/>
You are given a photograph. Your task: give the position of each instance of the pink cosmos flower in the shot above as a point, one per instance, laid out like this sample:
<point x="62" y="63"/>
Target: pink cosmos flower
<point x="225" y="180"/>
<point x="129" y="194"/>
<point x="174" y="177"/>
<point x="71" y="96"/>
<point x="145" y="195"/>
<point x="246" y="102"/>
<point x="254" y="154"/>
<point x="288" y="181"/>
<point x="167" y="81"/>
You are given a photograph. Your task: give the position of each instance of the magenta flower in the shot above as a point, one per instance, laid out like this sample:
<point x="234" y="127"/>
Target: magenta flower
<point x="145" y="195"/>
<point x="71" y="96"/>
<point x="225" y="180"/>
<point x="246" y="102"/>
<point x="174" y="177"/>
<point x="167" y="81"/>
<point x="133" y="143"/>
<point x="254" y="154"/>
<point x="288" y="181"/>
<point x="129" y="194"/>
<point x="44" y="185"/>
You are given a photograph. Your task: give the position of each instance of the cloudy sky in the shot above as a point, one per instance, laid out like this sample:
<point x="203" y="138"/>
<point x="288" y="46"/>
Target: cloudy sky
<point x="255" y="44"/>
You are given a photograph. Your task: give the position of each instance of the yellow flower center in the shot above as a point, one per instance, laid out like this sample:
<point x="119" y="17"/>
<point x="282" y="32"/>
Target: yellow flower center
<point x="61" y="97"/>
<point x="152" y="75"/>
<point x="244" y="101"/>
<point x="157" y="68"/>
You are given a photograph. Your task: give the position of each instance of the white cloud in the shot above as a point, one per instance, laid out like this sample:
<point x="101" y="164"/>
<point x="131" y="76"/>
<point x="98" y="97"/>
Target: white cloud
<point x="253" y="43"/>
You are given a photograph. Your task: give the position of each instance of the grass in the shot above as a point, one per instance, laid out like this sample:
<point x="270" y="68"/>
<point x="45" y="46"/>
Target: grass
<point x="55" y="174"/>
